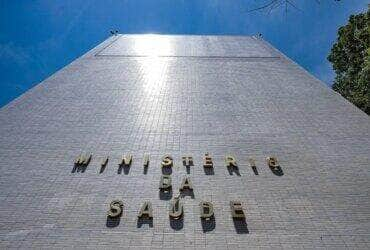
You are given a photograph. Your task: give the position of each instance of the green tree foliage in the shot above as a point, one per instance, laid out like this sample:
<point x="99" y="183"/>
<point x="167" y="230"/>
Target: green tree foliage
<point x="350" y="57"/>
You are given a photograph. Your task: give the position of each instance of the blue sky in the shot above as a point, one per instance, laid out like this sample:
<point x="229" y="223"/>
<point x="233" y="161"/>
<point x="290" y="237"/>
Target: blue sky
<point x="39" y="37"/>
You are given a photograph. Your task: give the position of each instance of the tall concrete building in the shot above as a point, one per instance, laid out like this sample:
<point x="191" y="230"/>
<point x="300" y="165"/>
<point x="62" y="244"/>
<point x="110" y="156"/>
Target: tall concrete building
<point x="287" y="164"/>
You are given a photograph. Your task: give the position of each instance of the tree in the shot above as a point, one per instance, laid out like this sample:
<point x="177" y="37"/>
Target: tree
<point x="350" y="56"/>
<point x="273" y="4"/>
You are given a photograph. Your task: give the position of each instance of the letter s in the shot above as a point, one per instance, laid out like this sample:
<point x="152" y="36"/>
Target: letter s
<point x="115" y="208"/>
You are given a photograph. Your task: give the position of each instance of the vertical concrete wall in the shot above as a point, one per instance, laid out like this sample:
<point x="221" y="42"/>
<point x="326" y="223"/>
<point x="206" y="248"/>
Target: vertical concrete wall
<point x="184" y="95"/>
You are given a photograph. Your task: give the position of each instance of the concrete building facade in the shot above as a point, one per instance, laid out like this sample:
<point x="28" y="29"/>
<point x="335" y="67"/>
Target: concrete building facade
<point x="184" y="96"/>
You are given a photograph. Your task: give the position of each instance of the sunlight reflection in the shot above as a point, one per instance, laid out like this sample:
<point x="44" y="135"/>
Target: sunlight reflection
<point x="153" y="66"/>
<point x="153" y="45"/>
<point x="153" y="74"/>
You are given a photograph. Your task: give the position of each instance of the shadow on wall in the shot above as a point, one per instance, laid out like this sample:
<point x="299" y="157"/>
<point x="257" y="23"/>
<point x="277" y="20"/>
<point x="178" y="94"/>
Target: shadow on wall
<point x="187" y="192"/>
<point x="165" y="194"/>
<point x="177" y="224"/>
<point x="102" y="168"/>
<point x="166" y="170"/>
<point x="143" y="221"/>
<point x="232" y="170"/>
<point x="255" y="170"/>
<point x="125" y="168"/>
<point x="240" y="225"/>
<point x="145" y="171"/>
<point x="209" y="171"/>
<point x="277" y="170"/>
<point x="208" y="225"/>
<point x="79" y="168"/>
<point x="113" y="222"/>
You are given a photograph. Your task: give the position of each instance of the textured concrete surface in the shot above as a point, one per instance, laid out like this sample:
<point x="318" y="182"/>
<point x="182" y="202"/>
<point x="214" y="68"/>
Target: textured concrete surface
<point x="184" y="95"/>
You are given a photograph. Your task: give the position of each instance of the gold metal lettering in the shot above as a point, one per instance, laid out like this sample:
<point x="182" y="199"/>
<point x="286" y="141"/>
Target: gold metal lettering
<point x="206" y="210"/>
<point x="208" y="163"/>
<point x="176" y="208"/>
<point x="126" y="160"/>
<point x="272" y="162"/>
<point x="115" y="208"/>
<point x="83" y="160"/>
<point x="167" y="161"/>
<point x="230" y="161"/>
<point x="104" y="162"/>
<point x="236" y="209"/>
<point x="186" y="184"/>
<point x="146" y="161"/>
<point x="77" y="160"/>
<point x="146" y="210"/>
<point x="187" y="161"/>
<point x="252" y="164"/>
<point x="165" y="182"/>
